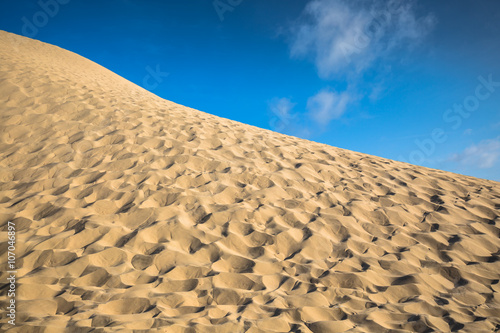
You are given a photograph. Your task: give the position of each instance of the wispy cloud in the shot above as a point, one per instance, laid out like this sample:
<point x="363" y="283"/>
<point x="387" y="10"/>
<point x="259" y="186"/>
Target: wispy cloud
<point x="285" y="120"/>
<point x="282" y="107"/>
<point x="327" y="105"/>
<point x="484" y="155"/>
<point x="346" y="37"/>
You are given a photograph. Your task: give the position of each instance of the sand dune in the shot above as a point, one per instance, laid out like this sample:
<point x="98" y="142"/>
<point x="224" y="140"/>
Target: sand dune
<point x="136" y="213"/>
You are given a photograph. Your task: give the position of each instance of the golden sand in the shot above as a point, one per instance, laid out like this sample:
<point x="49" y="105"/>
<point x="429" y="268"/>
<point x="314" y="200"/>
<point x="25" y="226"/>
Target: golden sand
<point x="136" y="213"/>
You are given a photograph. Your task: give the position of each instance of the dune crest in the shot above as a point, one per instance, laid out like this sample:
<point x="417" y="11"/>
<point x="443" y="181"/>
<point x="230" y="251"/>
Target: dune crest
<point x="136" y="213"/>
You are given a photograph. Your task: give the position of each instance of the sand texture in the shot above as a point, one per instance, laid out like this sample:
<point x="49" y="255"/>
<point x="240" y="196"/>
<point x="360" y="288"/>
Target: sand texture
<point x="134" y="213"/>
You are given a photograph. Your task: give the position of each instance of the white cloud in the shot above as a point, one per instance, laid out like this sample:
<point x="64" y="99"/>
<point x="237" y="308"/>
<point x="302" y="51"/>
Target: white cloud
<point x="281" y="107"/>
<point x="484" y="155"/>
<point x="327" y="105"/>
<point x="284" y="120"/>
<point x="350" y="35"/>
<point x="345" y="38"/>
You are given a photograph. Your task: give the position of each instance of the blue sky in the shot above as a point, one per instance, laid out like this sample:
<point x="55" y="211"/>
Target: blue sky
<point x="417" y="81"/>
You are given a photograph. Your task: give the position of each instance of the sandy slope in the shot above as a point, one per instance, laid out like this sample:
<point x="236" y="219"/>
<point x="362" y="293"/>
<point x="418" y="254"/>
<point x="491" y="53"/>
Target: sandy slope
<point x="135" y="213"/>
